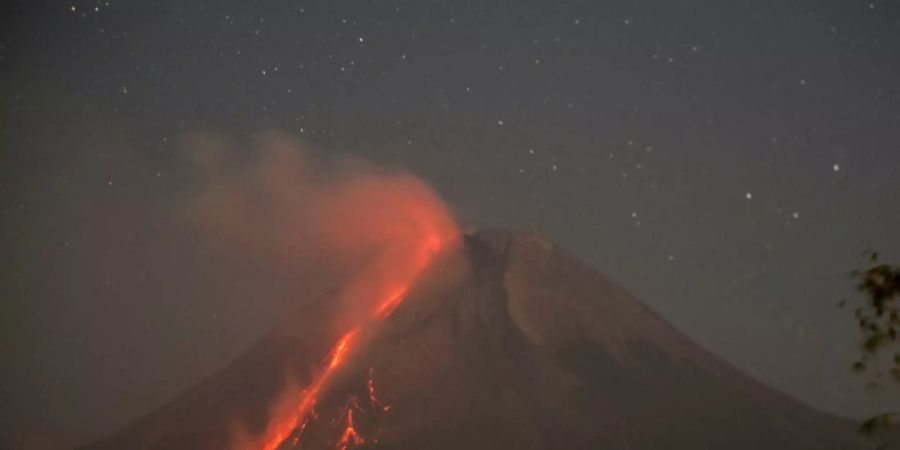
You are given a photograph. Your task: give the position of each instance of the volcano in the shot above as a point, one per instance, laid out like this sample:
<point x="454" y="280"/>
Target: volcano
<point x="504" y="342"/>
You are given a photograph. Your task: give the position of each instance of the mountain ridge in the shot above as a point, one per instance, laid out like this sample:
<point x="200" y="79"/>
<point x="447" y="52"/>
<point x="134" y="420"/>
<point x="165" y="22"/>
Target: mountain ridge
<point x="508" y="343"/>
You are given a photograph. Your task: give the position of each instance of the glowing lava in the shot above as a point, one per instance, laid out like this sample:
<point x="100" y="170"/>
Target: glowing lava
<point x="350" y="437"/>
<point x="393" y="286"/>
<point x="373" y="399"/>
<point x="332" y="220"/>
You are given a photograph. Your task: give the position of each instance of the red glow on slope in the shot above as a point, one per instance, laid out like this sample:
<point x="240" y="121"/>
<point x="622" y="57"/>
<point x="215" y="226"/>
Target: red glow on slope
<point x="279" y="430"/>
<point x="372" y="397"/>
<point x="390" y="278"/>
<point x="350" y="437"/>
<point x="333" y="221"/>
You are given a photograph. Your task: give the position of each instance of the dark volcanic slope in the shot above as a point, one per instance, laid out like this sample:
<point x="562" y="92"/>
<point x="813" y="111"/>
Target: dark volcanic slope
<point x="508" y="344"/>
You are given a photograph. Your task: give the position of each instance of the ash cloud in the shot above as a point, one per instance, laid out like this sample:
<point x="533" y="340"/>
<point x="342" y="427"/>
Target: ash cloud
<point x="135" y="278"/>
<point x="297" y="214"/>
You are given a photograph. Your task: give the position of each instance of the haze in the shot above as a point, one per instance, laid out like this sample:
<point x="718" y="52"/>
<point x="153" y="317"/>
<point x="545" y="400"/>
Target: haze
<point x="727" y="163"/>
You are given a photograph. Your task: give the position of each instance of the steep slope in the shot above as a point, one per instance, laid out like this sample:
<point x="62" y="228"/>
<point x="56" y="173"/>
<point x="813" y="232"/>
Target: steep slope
<point x="507" y="343"/>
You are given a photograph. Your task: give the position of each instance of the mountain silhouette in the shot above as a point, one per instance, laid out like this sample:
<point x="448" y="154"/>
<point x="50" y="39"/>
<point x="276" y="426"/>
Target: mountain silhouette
<point x="507" y="343"/>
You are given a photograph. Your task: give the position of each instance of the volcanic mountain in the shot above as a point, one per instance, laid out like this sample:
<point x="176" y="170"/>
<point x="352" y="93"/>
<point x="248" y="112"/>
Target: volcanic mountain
<point x="504" y="343"/>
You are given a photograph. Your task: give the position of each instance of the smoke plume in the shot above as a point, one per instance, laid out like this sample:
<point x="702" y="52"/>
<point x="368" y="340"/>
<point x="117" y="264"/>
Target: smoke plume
<point x="370" y="231"/>
<point x="339" y="222"/>
<point x="136" y="274"/>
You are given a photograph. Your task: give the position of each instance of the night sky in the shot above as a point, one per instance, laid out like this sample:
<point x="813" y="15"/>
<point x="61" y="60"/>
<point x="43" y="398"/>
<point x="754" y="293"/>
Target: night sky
<point x="728" y="162"/>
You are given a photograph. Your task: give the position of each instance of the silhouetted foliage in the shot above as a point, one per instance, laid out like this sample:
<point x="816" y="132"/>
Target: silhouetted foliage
<point x="873" y="424"/>
<point x="879" y="322"/>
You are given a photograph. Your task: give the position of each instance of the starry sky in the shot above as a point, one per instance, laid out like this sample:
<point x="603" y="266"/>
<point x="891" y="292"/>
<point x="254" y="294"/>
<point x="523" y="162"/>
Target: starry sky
<point x="727" y="162"/>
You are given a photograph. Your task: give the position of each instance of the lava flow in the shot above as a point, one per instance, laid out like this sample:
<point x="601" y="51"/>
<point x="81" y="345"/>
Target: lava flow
<point x="370" y="230"/>
<point x="393" y="289"/>
<point x="373" y="399"/>
<point x="350" y="437"/>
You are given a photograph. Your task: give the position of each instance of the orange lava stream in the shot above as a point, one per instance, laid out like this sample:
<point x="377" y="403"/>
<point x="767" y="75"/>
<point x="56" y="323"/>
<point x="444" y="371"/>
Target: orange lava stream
<point x="373" y="399"/>
<point x="350" y="436"/>
<point x="281" y="428"/>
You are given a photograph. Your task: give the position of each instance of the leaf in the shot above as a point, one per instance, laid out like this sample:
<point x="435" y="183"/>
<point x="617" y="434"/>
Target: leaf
<point x="873" y="342"/>
<point x="872" y="424"/>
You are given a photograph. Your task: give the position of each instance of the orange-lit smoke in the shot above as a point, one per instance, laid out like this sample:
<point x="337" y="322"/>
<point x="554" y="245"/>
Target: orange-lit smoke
<point x="371" y="230"/>
<point x="297" y="214"/>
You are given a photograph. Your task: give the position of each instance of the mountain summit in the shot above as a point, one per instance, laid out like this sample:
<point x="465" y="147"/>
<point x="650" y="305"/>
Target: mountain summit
<point x="506" y="343"/>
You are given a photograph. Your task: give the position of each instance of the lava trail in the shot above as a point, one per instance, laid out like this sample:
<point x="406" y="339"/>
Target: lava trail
<point x="373" y="399"/>
<point x="390" y="290"/>
<point x="350" y="438"/>
<point x="373" y="230"/>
